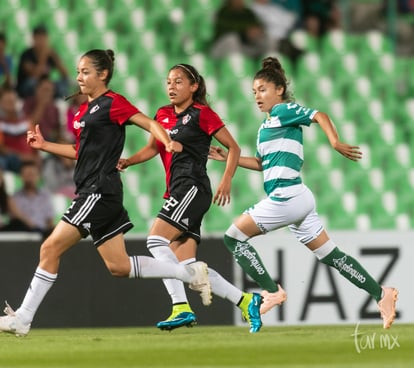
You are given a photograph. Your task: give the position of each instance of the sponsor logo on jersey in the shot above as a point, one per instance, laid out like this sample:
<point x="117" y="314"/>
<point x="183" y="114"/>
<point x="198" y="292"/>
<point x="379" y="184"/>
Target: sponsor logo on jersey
<point x="186" y="119"/>
<point x="78" y="124"/>
<point x="165" y="120"/>
<point x="173" y="132"/>
<point x="94" y="109"/>
<point x="185" y="221"/>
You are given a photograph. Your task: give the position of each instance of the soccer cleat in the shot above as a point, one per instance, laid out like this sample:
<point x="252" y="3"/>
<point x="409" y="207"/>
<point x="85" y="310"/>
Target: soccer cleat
<point x="200" y="281"/>
<point x="179" y="320"/>
<point x="11" y="323"/>
<point x="386" y="305"/>
<point x="181" y="315"/>
<point x="270" y="300"/>
<point x="250" y="307"/>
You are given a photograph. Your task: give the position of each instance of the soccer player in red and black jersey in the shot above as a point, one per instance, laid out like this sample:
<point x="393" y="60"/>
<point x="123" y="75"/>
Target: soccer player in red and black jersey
<point x="176" y="231"/>
<point x="98" y="209"/>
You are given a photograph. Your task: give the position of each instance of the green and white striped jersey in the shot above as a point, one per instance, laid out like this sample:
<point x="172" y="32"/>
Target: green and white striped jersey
<point x="280" y="148"/>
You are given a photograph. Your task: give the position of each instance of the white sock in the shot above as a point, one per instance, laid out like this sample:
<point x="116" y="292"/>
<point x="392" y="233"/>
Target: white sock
<point x="150" y="268"/>
<point x="222" y="288"/>
<point x="159" y="248"/>
<point x="219" y="285"/>
<point x="41" y="283"/>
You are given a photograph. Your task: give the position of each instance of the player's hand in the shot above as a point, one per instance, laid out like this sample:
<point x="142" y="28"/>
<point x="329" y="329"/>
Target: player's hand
<point x="350" y="152"/>
<point x="35" y="138"/>
<point x="217" y="153"/>
<point x="174" y="147"/>
<point x="222" y="196"/>
<point x="123" y="163"/>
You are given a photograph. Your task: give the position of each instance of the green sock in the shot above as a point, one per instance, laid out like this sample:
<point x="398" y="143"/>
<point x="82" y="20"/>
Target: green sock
<point x="248" y="259"/>
<point x="352" y="270"/>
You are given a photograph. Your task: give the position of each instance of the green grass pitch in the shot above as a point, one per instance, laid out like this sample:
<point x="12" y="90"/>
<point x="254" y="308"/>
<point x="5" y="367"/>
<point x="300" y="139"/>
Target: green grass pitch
<point x="210" y="346"/>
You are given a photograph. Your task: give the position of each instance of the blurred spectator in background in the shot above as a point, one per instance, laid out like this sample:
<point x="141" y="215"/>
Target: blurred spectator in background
<point x="57" y="174"/>
<point x="294" y="6"/>
<point x="5" y="63"/>
<point x="8" y="161"/>
<point x="43" y="110"/>
<point x="278" y="23"/>
<point x="9" y="213"/>
<point x="403" y="25"/>
<point x="32" y="201"/>
<point x="393" y="18"/>
<point x="237" y="29"/>
<point x="73" y="107"/>
<point x="14" y="124"/>
<point x="320" y="17"/>
<point x="37" y="61"/>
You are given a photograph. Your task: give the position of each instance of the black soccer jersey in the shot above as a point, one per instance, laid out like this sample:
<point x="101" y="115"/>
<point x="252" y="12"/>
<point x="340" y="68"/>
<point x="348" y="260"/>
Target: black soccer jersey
<point x="194" y="128"/>
<point x="100" y="136"/>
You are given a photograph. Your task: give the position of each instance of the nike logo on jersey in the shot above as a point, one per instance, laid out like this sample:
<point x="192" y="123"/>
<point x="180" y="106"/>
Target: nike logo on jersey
<point x="94" y="109"/>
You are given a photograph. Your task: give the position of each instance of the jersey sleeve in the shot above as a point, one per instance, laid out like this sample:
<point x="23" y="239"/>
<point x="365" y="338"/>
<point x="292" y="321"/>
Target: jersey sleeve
<point x="293" y="114"/>
<point x="122" y="110"/>
<point x="210" y="122"/>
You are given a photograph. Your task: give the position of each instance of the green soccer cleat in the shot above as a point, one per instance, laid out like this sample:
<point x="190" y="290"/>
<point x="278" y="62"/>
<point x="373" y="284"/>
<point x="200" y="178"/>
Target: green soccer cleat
<point x="181" y="315"/>
<point x="250" y="307"/>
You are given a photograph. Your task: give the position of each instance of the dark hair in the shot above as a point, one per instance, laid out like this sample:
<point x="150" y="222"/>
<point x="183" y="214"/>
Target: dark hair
<point x="29" y="163"/>
<point x="102" y="60"/>
<point x="200" y="95"/>
<point x="39" y="30"/>
<point x="273" y="72"/>
<point x="2" y="37"/>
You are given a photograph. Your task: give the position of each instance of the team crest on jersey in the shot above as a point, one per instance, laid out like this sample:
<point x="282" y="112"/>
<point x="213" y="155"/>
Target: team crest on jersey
<point x="186" y="119"/>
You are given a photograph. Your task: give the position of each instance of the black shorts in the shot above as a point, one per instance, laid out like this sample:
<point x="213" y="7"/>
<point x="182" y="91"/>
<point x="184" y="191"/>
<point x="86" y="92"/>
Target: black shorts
<point x="100" y="215"/>
<point x="185" y="208"/>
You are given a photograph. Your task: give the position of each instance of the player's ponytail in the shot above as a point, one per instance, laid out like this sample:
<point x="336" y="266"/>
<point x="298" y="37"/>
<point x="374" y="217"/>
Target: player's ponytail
<point x="200" y="95"/>
<point x="273" y="72"/>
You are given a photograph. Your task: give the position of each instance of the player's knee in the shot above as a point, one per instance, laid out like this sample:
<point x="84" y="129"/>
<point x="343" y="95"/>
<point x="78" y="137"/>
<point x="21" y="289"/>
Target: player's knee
<point x="49" y="252"/>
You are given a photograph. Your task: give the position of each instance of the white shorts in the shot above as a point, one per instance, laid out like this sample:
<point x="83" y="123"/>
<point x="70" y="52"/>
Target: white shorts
<point x="298" y="213"/>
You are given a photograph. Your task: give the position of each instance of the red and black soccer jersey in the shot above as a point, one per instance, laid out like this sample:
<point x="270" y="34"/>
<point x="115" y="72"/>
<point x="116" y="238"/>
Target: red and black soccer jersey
<point x="100" y="136"/>
<point x="194" y="129"/>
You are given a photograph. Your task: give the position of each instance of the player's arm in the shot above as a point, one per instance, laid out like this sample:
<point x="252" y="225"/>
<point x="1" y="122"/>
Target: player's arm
<point x="351" y="152"/>
<point x="35" y="140"/>
<point x="220" y="154"/>
<point x="156" y="130"/>
<point x="146" y="153"/>
<point x="222" y="195"/>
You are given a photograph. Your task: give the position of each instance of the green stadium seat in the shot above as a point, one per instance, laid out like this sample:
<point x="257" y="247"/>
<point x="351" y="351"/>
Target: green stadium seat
<point x="347" y="76"/>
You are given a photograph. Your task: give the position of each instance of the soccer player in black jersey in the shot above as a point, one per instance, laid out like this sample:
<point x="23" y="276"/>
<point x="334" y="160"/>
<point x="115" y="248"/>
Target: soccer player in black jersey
<point x="98" y="209"/>
<point x="176" y="231"/>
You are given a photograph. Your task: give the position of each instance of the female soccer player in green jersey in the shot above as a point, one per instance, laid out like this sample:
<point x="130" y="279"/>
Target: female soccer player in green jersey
<point x="289" y="202"/>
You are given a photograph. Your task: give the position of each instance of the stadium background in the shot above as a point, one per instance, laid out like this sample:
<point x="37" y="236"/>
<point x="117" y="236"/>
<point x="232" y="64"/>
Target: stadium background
<point x="358" y="79"/>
